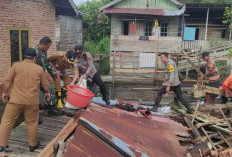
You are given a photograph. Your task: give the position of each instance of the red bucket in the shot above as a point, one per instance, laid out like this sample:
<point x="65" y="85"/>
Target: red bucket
<point x="78" y="96"/>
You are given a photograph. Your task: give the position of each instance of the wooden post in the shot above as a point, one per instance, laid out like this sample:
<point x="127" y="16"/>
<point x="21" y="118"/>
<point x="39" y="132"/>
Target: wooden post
<point x="206" y="26"/>
<point x="133" y="64"/>
<point x="113" y="81"/>
<point x="199" y="62"/>
<point x="230" y="65"/>
<point x="157" y="52"/>
<point x="187" y="71"/>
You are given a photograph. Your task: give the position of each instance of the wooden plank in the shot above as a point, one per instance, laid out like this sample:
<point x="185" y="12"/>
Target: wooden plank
<point x="64" y="133"/>
<point x="209" y="138"/>
<point x="190" y="125"/>
<point x="228" y="123"/>
<point x="224" y="139"/>
<point x="137" y="71"/>
<point x="23" y="138"/>
<point x="196" y="109"/>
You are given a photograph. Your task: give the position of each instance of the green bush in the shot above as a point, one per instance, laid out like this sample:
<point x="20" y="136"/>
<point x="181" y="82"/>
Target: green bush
<point x="101" y="47"/>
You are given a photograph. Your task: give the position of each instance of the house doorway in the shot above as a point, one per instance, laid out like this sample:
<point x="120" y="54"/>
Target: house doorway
<point x="125" y="27"/>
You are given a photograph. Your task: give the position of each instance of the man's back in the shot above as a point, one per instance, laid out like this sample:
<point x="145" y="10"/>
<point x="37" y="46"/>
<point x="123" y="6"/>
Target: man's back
<point x="26" y="77"/>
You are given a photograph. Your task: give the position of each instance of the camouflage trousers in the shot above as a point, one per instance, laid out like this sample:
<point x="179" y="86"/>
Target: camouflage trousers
<point x="52" y="101"/>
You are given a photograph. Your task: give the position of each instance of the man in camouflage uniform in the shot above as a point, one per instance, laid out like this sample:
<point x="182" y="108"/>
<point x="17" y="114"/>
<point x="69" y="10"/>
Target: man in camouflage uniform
<point x="41" y="59"/>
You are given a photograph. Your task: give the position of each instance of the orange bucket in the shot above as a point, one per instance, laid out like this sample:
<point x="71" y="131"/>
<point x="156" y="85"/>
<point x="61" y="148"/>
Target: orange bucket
<point x="78" y="96"/>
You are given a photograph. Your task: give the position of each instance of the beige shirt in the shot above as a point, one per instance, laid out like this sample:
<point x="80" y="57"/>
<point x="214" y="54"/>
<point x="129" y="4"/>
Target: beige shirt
<point x="58" y="60"/>
<point x="172" y="74"/>
<point x="26" y="78"/>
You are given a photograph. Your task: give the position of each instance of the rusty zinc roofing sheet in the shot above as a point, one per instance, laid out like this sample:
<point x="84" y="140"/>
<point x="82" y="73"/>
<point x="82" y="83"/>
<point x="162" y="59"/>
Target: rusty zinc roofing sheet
<point x="114" y="132"/>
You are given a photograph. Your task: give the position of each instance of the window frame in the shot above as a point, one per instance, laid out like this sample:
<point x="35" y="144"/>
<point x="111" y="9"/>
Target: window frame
<point x="20" y="41"/>
<point x="147" y="28"/>
<point x="161" y="33"/>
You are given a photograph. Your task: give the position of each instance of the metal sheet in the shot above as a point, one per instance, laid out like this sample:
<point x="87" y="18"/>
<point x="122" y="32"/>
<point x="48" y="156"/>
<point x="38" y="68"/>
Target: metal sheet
<point x="86" y="144"/>
<point x="159" y="12"/>
<point x="120" y="132"/>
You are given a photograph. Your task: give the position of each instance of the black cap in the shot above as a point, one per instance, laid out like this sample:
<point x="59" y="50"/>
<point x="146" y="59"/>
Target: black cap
<point x="78" y="47"/>
<point x="204" y="54"/>
<point x="30" y="52"/>
<point x="71" y="56"/>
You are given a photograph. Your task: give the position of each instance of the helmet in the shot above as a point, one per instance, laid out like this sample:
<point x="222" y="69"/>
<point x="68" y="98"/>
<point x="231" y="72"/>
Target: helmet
<point x="71" y="56"/>
<point x="78" y="47"/>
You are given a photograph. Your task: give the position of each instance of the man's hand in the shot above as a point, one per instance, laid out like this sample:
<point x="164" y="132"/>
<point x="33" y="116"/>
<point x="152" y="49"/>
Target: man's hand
<point x="201" y="78"/>
<point x="84" y="76"/>
<point x="168" y="89"/>
<point x="48" y="96"/>
<point x="72" y="84"/>
<point x="5" y="96"/>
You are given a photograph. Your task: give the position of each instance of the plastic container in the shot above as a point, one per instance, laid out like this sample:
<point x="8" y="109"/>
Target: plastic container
<point x="78" y="96"/>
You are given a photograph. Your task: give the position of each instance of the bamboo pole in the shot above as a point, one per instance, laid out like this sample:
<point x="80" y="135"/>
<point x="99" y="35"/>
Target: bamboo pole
<point x="206" y="26"/>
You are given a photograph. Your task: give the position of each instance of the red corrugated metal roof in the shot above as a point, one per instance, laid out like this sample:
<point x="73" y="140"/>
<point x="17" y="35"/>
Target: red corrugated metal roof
<point x="114" y="132"/>
<point x="159" y="12"/>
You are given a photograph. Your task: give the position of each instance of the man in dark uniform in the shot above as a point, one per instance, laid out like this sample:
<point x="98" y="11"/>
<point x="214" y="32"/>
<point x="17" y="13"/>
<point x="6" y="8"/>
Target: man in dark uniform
<point x="171" y="82"/>
<point x="41" y="59"/>
<point x="25" y="78"/>
<point x="61" y="61"/>
<point x="87" y="69"/>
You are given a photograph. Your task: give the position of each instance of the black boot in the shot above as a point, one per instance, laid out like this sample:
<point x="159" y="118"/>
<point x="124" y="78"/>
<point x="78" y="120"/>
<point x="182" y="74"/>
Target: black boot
<point x="154" y="109"/>
<point x="33" y="148"/>
<point x="63" y="95"/>
<point x="54" y="111"/>
<point x="189" y="110"/>
<point x="2" y="149"/>
<point x="40" y="120"/>
<point x="107" y="102"/>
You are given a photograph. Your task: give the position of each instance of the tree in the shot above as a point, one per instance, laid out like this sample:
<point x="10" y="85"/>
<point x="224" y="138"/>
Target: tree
<point x="96" y="25"/>
<point x="228" y="18"/>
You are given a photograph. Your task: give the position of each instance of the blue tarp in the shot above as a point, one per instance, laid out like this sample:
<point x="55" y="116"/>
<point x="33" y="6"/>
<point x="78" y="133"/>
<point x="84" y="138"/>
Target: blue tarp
<point x="189" y="33"/>
<point x="100" y="101"/>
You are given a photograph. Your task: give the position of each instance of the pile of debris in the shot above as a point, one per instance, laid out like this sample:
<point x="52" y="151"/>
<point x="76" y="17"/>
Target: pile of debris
<point x="211" y="128"/>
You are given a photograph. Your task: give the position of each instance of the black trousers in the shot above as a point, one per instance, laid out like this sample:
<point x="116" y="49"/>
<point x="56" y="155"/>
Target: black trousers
<point x="98" y="81"/>
<point x="224" y="100"/>
<point x="178" y="93"/>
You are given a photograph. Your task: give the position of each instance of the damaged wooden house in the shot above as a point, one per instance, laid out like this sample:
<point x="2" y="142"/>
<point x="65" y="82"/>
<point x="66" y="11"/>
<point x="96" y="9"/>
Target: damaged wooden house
<point x="141" y="29"/>
<point x="24" y="23"/>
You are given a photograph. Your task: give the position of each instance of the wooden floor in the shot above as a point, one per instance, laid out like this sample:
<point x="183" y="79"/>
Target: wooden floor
<point x="18" y="143"/>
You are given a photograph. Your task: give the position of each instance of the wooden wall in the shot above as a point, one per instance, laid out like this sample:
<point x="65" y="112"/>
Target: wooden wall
<point x="147" y="4"/>
<point x="117" y="25"/>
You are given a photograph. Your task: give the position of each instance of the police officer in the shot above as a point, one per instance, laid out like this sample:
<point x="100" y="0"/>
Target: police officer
<point x="61" y="61"/>
<point x="41" y="59"/>
<point x="171" y="82"/>
<point x="87" y="69"/>
<point x="25" y="78"/>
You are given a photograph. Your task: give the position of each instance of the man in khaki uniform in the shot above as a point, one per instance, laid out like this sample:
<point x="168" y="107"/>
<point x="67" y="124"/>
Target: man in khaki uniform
<point x="25" y="78"/>
<point x="61" y="61"/>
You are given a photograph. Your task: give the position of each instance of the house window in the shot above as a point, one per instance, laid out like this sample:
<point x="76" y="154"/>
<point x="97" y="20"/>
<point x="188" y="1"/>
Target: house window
<point x="19" y="41"/>
<point x="148" y="28"/>
<point x="164" y="28"/>
<point x="125" y="27"/>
